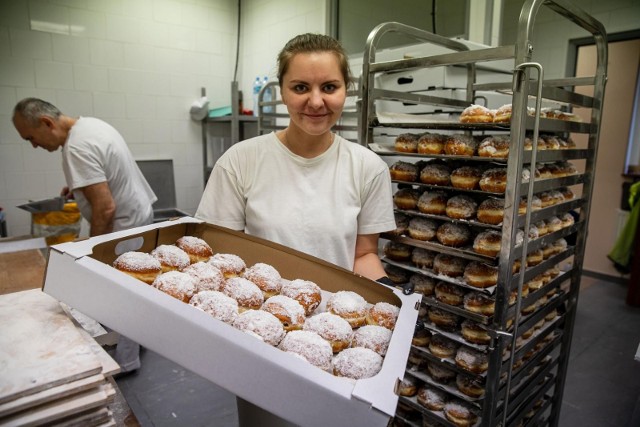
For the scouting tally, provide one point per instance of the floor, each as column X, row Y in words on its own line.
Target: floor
column 602, row 387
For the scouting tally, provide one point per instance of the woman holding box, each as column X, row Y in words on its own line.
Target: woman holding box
column 306, row 187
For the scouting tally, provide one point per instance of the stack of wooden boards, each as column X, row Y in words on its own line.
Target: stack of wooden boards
column 52, row 372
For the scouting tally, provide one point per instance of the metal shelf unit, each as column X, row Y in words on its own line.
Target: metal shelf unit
column 524, row 382
column 220, row 133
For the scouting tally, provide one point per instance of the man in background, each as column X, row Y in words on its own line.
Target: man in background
column 100, row 173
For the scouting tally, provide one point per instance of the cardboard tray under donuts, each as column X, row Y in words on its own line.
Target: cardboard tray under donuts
column 80, row 274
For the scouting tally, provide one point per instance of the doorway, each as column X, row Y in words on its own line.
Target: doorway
column 607, row 217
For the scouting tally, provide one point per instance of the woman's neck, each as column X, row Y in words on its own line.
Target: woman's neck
column 303, row 144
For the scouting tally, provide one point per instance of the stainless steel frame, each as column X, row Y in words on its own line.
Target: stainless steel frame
column 508, row 400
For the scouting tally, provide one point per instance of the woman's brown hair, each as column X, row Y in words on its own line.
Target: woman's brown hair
column 307, row 43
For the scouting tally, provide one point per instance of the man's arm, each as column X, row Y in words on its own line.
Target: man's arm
column 367, row 262
column 103, row 208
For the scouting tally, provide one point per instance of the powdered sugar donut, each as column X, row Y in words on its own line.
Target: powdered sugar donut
column 567, row 220
column 466, row 177
column 496, row 147
column 453, row 234
column 480, row 275
column 266, row 277
column 472, row 360
column 449, row 265
column 494, row 180
column 310, row 346
column 404, row 171
column 332, row 328
column 491, row 211
column 439, row 373
column 197, row 249
column 216, row 304
column 431, row 397
column 442, row 347
column 460, row 145
column 422, row 258
column 373, row 337
column 171, row 257
column 206, row 276
column 231, row 265
column 432, row 202
column 488, row 242
column 357, row 363
column 140, row 265
column 247, row 293
column 470, row 386
column 448, row 293
column 307, row 293
column 503, row 114
column 476, row 114
column 422, row 228
column 536, row 204
column 350, row 306
column 177, row 284
column 431, row 143
column 406, row 198
column 289, row 311
column 461, row 207
column 406, row 143
column 262, row 325
column 460, row 413
column 383, row 314
column 435, row 174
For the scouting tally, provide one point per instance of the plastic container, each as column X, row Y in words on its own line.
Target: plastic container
column 267, row 97
column 257, row 85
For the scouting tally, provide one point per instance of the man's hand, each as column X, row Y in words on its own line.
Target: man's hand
column 103, row 208
column 68, row 195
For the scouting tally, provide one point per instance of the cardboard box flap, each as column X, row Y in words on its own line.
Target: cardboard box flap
column 85, row 247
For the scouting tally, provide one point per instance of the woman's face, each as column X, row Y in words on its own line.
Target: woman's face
column 314, row 91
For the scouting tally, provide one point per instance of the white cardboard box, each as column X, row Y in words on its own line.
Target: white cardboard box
column 80, row 274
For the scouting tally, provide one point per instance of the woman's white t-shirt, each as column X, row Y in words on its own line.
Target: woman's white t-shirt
column 317, row 206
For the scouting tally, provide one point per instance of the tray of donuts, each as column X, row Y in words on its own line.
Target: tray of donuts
column 482, row 147
column 426, row 389
column 466, row 386
column 480, row 114
column 446, row 303
column 426, row 402
column 405, row 256
column 475, row 208
column 431, row 382
column 197, row 293
column 459, row 225
column 460, row 176
column 464, row 331
column 464, row 314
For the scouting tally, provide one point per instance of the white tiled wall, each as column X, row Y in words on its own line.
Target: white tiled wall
column 266, row 27
column 138, row 64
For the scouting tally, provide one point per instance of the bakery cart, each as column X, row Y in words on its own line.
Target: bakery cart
column 552, row 136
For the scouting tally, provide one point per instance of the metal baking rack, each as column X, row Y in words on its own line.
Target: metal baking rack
column 510, row 396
